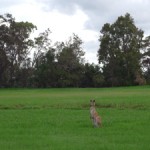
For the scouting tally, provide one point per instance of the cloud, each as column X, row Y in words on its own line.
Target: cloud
column 83, row 17
column 100, row 12
column 9, row 3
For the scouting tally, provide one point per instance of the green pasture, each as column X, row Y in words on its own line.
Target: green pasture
column 58, row 119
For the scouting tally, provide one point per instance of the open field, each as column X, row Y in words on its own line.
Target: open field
column 58, row 119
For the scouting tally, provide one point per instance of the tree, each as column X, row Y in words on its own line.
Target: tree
column 92, row 76
column 42, row 44
column 70, row 62
column 44, row 61
column 146, row 59
column 15, row 44
column 119, row 52
column 45, row 75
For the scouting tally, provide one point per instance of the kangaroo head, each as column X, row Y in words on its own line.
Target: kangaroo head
column 92, row 102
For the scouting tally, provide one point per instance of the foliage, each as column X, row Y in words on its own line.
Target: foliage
column 44, row 61
column 92, row 76
column 70, row 62
column 124, row 57
column 14, row 46
column 120, row 51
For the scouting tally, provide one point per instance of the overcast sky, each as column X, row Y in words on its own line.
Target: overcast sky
column 82, row 17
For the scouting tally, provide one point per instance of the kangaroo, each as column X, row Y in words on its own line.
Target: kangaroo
column 96, row 119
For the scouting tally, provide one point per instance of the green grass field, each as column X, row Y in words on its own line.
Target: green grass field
column 58, row 119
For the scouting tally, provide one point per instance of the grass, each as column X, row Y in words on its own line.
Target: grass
column 53, row 119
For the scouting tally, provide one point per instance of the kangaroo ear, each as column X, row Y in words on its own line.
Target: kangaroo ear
column 94, row 100
column 90, row 100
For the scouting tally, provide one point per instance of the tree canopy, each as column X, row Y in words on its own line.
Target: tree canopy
column 123, row 55
column 121, row 52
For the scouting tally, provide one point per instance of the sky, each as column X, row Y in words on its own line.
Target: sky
column 82, row 17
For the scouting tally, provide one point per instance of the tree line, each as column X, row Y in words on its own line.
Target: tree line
column 123, row 55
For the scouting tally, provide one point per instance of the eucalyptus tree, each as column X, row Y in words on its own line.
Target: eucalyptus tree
column 15, row 44
column 70, row 58
column 120, row 51
column 146, row 59
column 44, row 63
